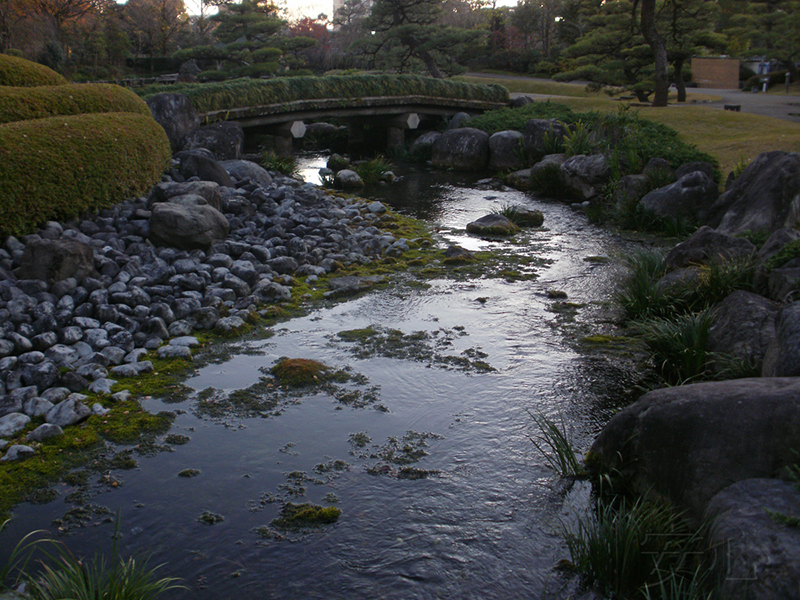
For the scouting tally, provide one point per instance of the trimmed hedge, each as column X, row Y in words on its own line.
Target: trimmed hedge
column 241, row 93
column 22, row 104
column 57, row 168
column 24, row 73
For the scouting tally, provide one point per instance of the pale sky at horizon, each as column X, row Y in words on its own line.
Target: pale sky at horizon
column 312, row 8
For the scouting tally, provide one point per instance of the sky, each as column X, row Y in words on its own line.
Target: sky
column 311, row 8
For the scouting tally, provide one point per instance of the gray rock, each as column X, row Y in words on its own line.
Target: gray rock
column 207, row 169
column 464, row 149
column 43, row 432
column 55, row 260
column 224, row 139
column 18, row 452
column 187, row 227
column 424, row 143
column 270, row 292
column 376, row 208
column 206, row 189
column 68, row 412
column 765, row 197
column 585, row 175
column 229, row 324
column 11, row 424
column 755, row 557
column 99, row 409
column 175, row 113
column 783, row 353
column 506, row 150
column 693, row 167
column 492, row 224
column 689, row 442
column 543, row 136
column 37, row 407
column 102, row 386
column 245, row 169
column 689, row 198
column 708, row 246
column 458, row 121
column 189, row 341
column 174, row 352
column 121, row 396
column 133, row 369
column 347, row 179
column 744, row 326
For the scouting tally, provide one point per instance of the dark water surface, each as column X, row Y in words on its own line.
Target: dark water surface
column 483, row 524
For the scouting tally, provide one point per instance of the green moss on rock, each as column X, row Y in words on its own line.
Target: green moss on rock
column 299, row 516
column 23, row 104
column 24, row 73
column 57, row 168
column 299, row 372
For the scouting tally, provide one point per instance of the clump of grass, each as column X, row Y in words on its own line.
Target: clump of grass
column 299, row 372
column 639, row 294
column 679, row 345
column 555, row 445
column 15, row 565
column 788, row 252
column 520, row 216
column 578, row 140
column 548, row 182
column 721, row 278
column 626, row 549
column 371, row 171
column 282, row 164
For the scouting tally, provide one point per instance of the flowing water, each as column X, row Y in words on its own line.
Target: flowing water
column 442, row 492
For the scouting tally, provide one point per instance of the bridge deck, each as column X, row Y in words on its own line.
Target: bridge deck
column 299, row 110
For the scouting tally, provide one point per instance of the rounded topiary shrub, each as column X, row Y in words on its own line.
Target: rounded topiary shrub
column 24, row 73
column 59, row 167
column 24, row 103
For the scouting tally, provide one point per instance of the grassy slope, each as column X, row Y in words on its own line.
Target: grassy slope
column 730, row 136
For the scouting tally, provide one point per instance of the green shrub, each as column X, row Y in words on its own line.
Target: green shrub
column 59, row 167
column 241, row 93
column 504, row 119
column 19, row 72
column 548, row 181
column 271, row 161
column 371, row 171
column 22, row 104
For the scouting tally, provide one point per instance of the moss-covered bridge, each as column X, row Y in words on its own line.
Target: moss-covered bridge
column 282, row 105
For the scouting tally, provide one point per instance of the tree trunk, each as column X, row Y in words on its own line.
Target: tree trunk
column 659, row 48
column 679, row 82
column 430, row 64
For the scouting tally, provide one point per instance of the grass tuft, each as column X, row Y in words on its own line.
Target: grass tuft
column 555, row 446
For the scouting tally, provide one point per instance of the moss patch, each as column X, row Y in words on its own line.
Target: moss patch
column 299, row 372
column 303, row 516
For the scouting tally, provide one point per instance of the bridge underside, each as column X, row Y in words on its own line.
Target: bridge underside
column 397, row 113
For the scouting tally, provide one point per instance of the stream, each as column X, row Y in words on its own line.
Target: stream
column 426, row 450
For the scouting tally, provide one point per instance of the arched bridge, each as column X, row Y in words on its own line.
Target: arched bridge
column 281, row 106
column 287, row 120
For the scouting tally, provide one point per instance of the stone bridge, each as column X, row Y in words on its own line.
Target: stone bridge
column 286, row 120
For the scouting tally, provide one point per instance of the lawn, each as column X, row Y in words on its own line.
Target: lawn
column 729, row 136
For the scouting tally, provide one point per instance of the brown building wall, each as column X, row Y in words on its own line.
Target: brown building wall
column 720, row 73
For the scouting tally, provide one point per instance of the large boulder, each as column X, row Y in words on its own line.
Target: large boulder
column 689, row 442
column 765, row 197
column 225, row 139
column 207, row 189
column 56, row 260
column 744, row 326
column 187, row 227
column 782, row 357
column 706, row 246
column 206, row 169
column 68, row 412
column 585, row 175
column 493, row 224
column 755, row 555
column 423, row 145
column 175, row 113
column 464, row 149
column 543, row 136
column 347, row 179
column 246, row 169
column 689, row 198
column 506, row 150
